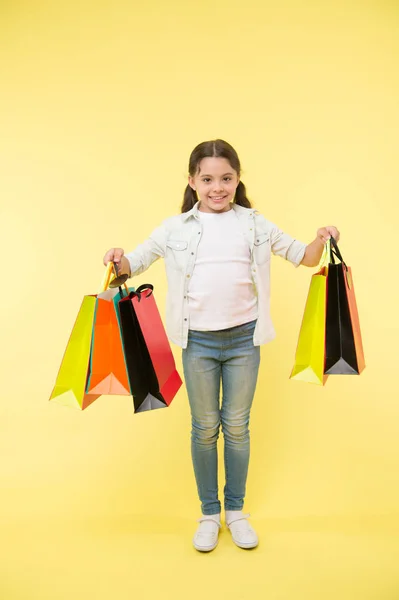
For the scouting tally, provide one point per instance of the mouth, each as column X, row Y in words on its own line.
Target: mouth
column 217, row 198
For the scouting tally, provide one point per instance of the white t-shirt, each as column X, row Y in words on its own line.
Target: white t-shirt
column 221, row 292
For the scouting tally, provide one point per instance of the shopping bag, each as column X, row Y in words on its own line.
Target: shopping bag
column 309, row 356
column 344, row 349
column 107, row 372
column 153, row 378
column 157, row 341
column 70, row 385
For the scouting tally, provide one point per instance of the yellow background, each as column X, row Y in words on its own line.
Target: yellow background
column 101, row 104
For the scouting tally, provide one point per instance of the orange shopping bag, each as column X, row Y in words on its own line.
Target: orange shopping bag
column 108, row 374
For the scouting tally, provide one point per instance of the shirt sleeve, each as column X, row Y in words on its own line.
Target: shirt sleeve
column 142, row 257
column 286, row 246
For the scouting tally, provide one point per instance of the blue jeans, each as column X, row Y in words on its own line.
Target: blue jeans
column 228, row 357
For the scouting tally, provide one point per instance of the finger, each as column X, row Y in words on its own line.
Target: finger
column 325, row 235
column 109, row 257
column 118, row 253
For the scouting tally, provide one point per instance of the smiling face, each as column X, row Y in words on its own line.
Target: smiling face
column 215, row 183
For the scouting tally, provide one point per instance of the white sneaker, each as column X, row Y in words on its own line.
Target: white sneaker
column 243, row 534
column 207, row 534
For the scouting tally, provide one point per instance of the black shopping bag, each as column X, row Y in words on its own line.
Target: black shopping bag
column 344, row 351
column 143, row 381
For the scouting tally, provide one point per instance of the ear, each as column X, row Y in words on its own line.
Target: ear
column 191, row 182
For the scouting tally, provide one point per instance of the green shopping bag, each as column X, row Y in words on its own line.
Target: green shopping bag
column 310, row 352
column 70, row 384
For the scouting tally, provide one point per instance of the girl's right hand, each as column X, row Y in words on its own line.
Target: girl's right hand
column 114, row 255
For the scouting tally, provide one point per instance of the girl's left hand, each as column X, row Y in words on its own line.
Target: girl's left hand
column 324, row 234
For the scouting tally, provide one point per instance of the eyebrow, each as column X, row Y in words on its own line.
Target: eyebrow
column 205, row 175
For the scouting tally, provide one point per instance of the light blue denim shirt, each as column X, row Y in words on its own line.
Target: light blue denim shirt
column 177, row 239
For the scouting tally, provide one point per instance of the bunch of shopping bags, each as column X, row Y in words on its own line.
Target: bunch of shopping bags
column 119, row 346
column 330, row 341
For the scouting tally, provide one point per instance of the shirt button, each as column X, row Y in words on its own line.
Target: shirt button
column 188, row 276
column 192, row 253
column 185, row 297
column 199, row 233
column 185, row 319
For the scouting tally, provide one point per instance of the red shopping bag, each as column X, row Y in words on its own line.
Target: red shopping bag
column 157, row 342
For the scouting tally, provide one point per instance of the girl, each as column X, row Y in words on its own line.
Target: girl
column 217, row 259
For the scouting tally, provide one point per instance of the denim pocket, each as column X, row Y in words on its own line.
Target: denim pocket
column 262, row 248
column 177, row 253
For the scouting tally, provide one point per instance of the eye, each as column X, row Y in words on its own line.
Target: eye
column 228, row 178
column 206, row 179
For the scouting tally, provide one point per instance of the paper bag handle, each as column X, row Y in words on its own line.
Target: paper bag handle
column 325, row 257
column 107, row 277
column 336, row 251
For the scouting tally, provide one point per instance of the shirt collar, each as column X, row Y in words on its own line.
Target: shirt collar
column 236, row 207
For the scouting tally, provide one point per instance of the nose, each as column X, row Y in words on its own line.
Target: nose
column 218, row 187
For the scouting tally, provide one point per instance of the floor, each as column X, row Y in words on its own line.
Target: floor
column 139, row 556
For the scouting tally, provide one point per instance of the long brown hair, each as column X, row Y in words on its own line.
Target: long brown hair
column 219, row 149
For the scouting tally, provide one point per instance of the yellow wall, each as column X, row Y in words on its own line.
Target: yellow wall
column 100, row 105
